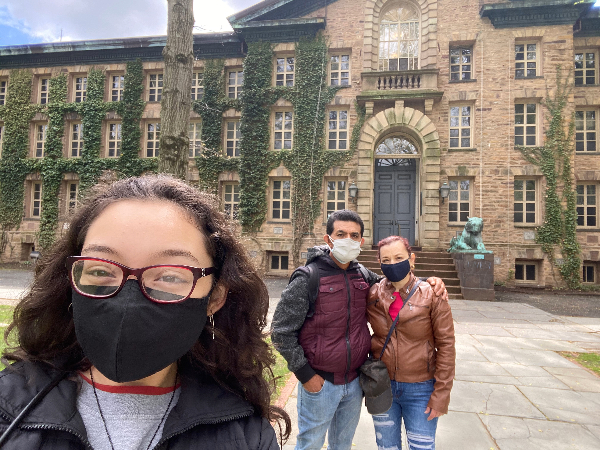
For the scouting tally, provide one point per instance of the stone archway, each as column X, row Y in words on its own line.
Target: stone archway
column 421, row 128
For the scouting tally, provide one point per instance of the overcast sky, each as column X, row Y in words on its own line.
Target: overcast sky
column 34, row 21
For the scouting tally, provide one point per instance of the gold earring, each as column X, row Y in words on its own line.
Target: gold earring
column 412, row 267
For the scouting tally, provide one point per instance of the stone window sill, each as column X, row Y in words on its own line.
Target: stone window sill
column 587, row 153
column 284, row 222
column 528, row 225
column 588, row 229
column 473, row 80
column 456, row 149
column 529, row 78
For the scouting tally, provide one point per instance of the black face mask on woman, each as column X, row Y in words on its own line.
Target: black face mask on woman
column 396, row 272
column 129, row 337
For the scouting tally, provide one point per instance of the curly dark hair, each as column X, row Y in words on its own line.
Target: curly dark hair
column 238, row 358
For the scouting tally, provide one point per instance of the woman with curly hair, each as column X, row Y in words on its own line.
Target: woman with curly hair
column 142, row 329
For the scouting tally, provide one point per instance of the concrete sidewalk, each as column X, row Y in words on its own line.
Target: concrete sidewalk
column 512, row 391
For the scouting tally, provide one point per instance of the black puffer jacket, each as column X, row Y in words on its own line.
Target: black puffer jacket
column 206, row 417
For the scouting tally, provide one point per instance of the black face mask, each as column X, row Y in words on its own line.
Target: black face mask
column 128, row 337
column 396, row 272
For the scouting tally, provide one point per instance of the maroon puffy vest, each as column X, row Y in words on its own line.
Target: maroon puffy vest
column 336, row 338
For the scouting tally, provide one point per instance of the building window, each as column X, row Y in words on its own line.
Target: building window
column 589, row 272
column 44, row 90
column 41, row 129
column 281, row 199
column 284, row 130
column 336, row 196
column 339, row 70
column 155, row 87
column 586, row 205
column 338, row 130
column 524, row 201
column 114, row 140
column 76, row 139
column 232, row 138
column 279, row 261
column 460, row 63
column 3, row 89
column 80, row 89
column 399, row 39
column 585, row 68
column 117, row 84
column 526, row 124
column 36, row 199
column 231, row 200
column 285, row 71
column 526, row 60
column 197, row 86
column 152, row 139
column 459, row 201
column 585, row 131
column 195, row 135
column 72, row 191
column 235, row 82
column 460, row 127
column 526, row 271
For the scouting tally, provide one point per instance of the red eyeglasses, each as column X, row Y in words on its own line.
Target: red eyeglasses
column 102, row 278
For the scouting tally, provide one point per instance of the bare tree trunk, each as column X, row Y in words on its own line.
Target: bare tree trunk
column 176, row 97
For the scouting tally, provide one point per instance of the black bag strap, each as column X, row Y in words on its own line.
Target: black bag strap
column 412, row 291
column 32, row 404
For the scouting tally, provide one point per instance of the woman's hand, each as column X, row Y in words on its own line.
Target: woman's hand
column 432, row 413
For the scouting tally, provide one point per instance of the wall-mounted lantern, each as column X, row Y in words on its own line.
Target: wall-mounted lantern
column 353, row 192
column 444, row 191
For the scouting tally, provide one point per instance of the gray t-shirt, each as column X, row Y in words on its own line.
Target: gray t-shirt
column 131, row 418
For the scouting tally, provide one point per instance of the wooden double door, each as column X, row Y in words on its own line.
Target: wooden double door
column 395, row 199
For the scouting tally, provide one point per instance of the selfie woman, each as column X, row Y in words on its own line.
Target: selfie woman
column 420, row 353
column 142, row 329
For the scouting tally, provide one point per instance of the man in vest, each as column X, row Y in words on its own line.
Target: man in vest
column 326, row 340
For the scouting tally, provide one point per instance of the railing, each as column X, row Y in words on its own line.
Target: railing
column 401, row 80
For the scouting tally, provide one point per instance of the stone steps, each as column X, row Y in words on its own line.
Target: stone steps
column 428, row 263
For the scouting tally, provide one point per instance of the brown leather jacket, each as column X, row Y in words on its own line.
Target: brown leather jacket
column 422, row 345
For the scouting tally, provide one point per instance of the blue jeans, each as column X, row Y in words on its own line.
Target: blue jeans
column 410, row 402
column 335, row 408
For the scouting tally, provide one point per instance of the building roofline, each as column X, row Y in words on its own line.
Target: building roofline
column 111, row 44
column 255, row 10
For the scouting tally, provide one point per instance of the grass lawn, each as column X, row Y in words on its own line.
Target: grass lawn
column 281, row 372
column 589, row 360
column 5, row 317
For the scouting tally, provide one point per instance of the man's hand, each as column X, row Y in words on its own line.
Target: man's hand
column 438, row 287
column 315, row 384
column 433, row 414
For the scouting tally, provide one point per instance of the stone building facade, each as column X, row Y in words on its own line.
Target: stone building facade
column 450, row 89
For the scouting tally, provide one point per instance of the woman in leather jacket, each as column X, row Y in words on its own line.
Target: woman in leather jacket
column 420, row 355
column 142, row 329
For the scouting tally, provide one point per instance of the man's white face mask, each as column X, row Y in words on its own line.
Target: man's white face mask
column 345, row 250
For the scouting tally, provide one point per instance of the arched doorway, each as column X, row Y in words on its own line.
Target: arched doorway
column 396, row 188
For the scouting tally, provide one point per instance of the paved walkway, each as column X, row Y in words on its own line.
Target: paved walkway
column 512, row 391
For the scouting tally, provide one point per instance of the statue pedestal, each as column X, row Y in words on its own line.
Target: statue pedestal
column 476, row 274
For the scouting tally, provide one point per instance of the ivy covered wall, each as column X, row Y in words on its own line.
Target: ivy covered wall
column 307, row 161
column 16, row 164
